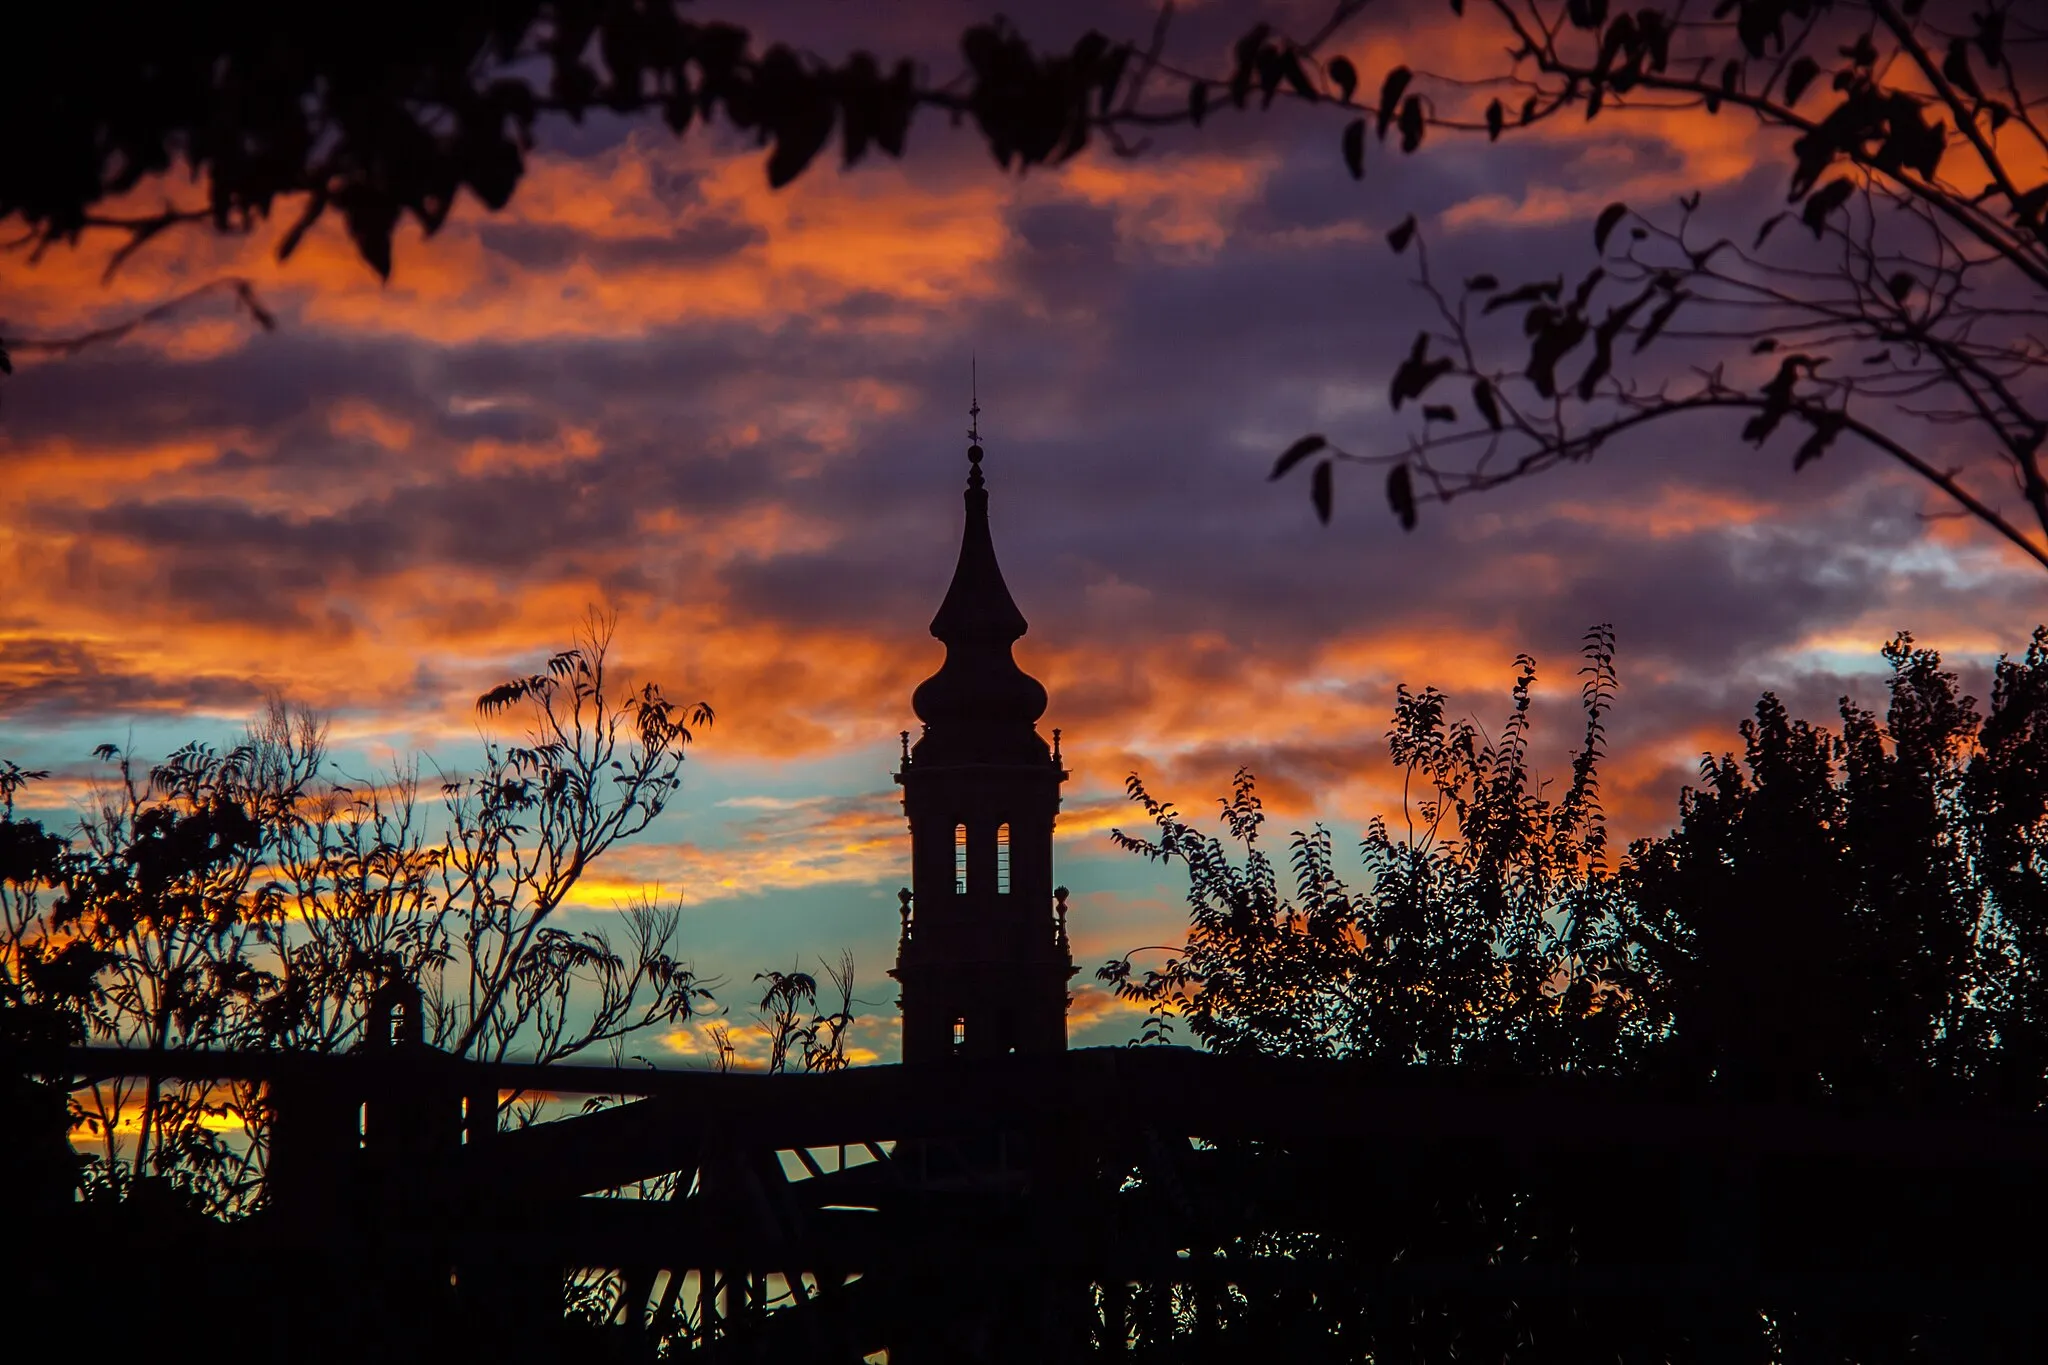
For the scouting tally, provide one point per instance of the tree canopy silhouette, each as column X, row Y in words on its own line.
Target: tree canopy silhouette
column 1855, row 913
column 248, row 899
column 1844, row 921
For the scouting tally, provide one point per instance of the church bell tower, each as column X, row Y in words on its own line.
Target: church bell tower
column 983, row 959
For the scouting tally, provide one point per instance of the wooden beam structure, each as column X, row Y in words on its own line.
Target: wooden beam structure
column 1042, row 1202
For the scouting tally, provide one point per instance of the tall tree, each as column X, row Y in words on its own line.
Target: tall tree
column 246, row 899
column 1847, row 913
column 1843, row 918
column 1484, row 936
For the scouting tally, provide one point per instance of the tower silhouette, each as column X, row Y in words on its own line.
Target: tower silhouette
column 983, row 958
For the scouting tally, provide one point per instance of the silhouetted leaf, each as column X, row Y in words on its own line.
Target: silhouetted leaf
column 1991, row 34
column 1826, row 427
column 2027, row 207
column 1956, row 67
column 1660, row 318
column 1296, row 453
column 1402, row 233
column 1825, row 201
column 1731, row 82
column 1198, row 102
column 1900, row 286
column 1587, row 286
column 1527, row 293
column 1764, row 346
column 1655, row 29
column 802, row 135
column 1480, row 284
column 1319, row 491
column 1344, row 76
column 1778, row 394
column 1268, row 67
column 1769, row 226
column 1390, row 95
column 371, row 215
column 1401, row 495
column 1798, row 77
column 1297, row 78
column 1418, row 372
column 1604, row 226
column 1596, row 369
column 1439, row 412
column 1354, row 148
column 506, row 693
column 1604, row 335
column 1495, row 118
column 1411, row 123
column 1483, row 399
column 1248, row 50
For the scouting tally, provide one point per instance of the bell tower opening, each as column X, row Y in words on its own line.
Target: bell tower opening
column 981, row 791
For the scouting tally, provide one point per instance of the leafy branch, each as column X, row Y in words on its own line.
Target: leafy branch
column 1904, row 318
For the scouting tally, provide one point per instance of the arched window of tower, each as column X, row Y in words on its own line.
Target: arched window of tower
column 960, row 860
column 1003, row 859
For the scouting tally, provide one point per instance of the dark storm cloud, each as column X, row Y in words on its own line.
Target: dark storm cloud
column 219, row 554
column 123, row 394
column 43, row 678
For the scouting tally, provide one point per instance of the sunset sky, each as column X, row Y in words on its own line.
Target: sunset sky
column 737, row 418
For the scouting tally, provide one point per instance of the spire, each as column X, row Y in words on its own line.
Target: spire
column 978, row 605
column 980, row 705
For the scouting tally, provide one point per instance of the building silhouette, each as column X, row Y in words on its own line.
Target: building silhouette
column 983, row 958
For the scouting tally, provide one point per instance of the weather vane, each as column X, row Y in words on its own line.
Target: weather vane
column 974, row 398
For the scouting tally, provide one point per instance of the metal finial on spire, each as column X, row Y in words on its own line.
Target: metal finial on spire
column 973, row 422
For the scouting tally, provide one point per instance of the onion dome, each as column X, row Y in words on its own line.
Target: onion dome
column 980, row 707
